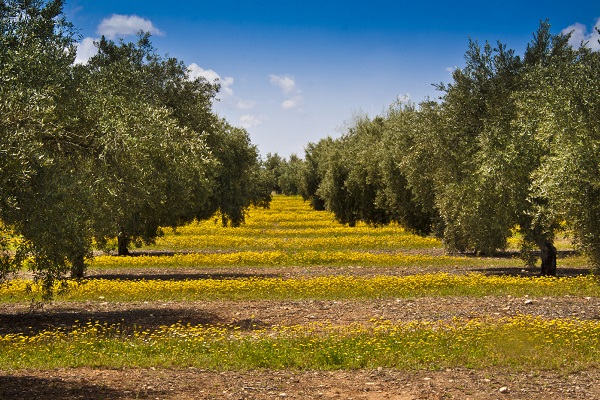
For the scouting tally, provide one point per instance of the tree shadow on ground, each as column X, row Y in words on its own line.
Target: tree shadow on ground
column 151, row 276
column 29, row 387
column 516, row 254
column 32, row 323
column 528, row 271
column 161, row 253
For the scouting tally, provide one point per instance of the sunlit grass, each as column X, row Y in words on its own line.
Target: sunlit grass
column 276, row 257
column 323, row 287
column 289, row 225
column 313, row 258
column 289, row 235
column 518, row 343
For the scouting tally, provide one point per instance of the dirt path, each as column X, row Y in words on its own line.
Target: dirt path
column 188, row 383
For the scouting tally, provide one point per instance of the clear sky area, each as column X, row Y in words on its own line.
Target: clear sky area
column 295, row 71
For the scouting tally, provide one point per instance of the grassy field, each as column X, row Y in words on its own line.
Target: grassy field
column 290, row 257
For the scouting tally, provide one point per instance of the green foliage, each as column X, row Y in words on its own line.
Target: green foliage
column 283, row 175
column 41, row 198
column 118, row 147
column 313, row 170
column 567, row 108
column 511, row 143
column 273, row 166
column 365, row 178
column 479, row 190
column 289, row 181
column 350, row 185
column 152, row 168
column 406, row 168
column 240, row 181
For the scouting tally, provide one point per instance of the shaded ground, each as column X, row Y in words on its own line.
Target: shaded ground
column 311, row 271
column 16, row 318
column 374, row 385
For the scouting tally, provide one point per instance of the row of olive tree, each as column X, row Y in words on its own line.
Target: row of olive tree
column 512, row 142
column 115, row 148
column 283, row 174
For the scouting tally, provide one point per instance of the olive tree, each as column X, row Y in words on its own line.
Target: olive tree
column 490, row 150
column 165, row 158
column 474, row 170
column 406, row 167
column 351, row 183
column 289, row 178
column 563, row 110
column 151, row 168
column 313, row 170
column 42, row 198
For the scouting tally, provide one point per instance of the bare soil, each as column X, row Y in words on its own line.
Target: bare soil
column 85, row 383
column 190, row 383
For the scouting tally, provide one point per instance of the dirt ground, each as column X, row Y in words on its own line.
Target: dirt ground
column 190, row 383
column 373, row 385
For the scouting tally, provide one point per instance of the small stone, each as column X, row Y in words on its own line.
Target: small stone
column 528, row 301
column 504, row 389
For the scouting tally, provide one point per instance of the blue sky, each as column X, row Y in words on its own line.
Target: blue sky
column 293, row 72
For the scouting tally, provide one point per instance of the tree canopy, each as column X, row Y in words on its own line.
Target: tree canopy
column 115, row 148
column 128, row 143
column 510, row 144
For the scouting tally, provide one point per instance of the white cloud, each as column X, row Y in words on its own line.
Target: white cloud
column 579, row 34
column 126, row 25
column 196, row 72
column 285, row 83
column 289, row 88
column 226, row 86
column 248, row 120
column 245, row 104
column 85, row 50
column 291, row 103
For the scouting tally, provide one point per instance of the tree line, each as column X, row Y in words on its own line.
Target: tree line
column 115, row 148
column 513, row 143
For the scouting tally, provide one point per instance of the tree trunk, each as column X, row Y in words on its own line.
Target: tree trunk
column 122, row 244
column 548, row 252
column 77, row 266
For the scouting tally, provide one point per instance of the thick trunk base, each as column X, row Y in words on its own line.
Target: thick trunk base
column 123, row 245
column 78, row 266
column 548, row 255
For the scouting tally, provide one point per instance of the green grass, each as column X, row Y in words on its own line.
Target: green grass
column 290, row 235
column 323, row 287
column 521, row 343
